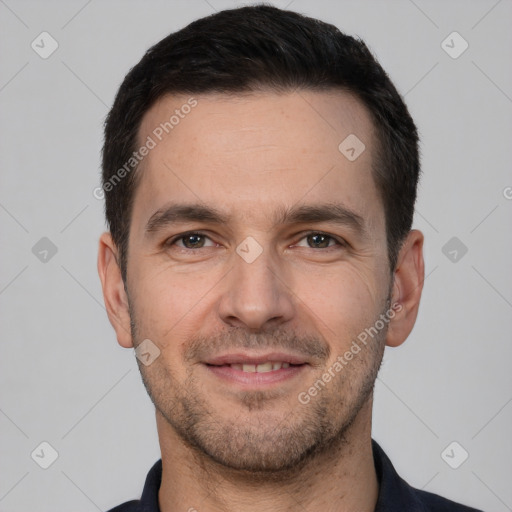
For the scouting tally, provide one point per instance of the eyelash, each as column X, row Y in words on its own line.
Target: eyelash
column 171, row 242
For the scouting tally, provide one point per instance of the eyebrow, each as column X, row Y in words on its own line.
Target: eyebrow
column 303, row 214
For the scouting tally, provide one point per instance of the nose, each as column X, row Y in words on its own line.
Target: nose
column 256, row 294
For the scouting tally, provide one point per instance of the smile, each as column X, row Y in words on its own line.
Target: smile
column 253, row 376
column 268, row 366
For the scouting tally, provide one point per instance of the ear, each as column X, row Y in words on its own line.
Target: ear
column 407, row 287
column 114, row 293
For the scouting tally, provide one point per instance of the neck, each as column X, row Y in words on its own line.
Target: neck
column 339, row 479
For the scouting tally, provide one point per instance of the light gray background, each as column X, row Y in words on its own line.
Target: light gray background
column 64, row 379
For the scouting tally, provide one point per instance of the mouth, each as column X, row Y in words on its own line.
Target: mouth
column 267, row 366
column 256, row 371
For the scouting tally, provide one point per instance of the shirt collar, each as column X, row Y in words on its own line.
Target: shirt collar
column 149, row 499
column 394, row 492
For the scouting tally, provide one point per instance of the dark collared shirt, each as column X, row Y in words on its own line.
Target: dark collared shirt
column 395, row 495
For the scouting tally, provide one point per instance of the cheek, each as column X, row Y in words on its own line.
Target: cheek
column 165, row 300
column 342, row 302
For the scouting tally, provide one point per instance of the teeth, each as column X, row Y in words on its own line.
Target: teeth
column 260, row 368
column 264, row 367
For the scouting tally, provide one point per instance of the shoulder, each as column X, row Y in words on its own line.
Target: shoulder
column 395, row 494
column 430, row 502
column 149, row 499
column 129, row 506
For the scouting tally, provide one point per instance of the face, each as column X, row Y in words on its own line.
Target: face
column 257, row 256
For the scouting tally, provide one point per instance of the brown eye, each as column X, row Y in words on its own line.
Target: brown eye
column 193, row 241
column 190, row 241
column 319, row 240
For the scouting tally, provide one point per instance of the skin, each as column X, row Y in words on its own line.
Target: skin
column 233, row 448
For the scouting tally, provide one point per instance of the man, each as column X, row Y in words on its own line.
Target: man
column 260, row 174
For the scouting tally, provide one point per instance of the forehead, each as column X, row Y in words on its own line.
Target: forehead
column 260, row 150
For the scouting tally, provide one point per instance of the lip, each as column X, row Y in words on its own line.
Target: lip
column 246, row 358
column 254, row 380
column 218, row 366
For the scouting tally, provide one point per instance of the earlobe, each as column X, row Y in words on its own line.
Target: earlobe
column 407, row 287
column 114, row 293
